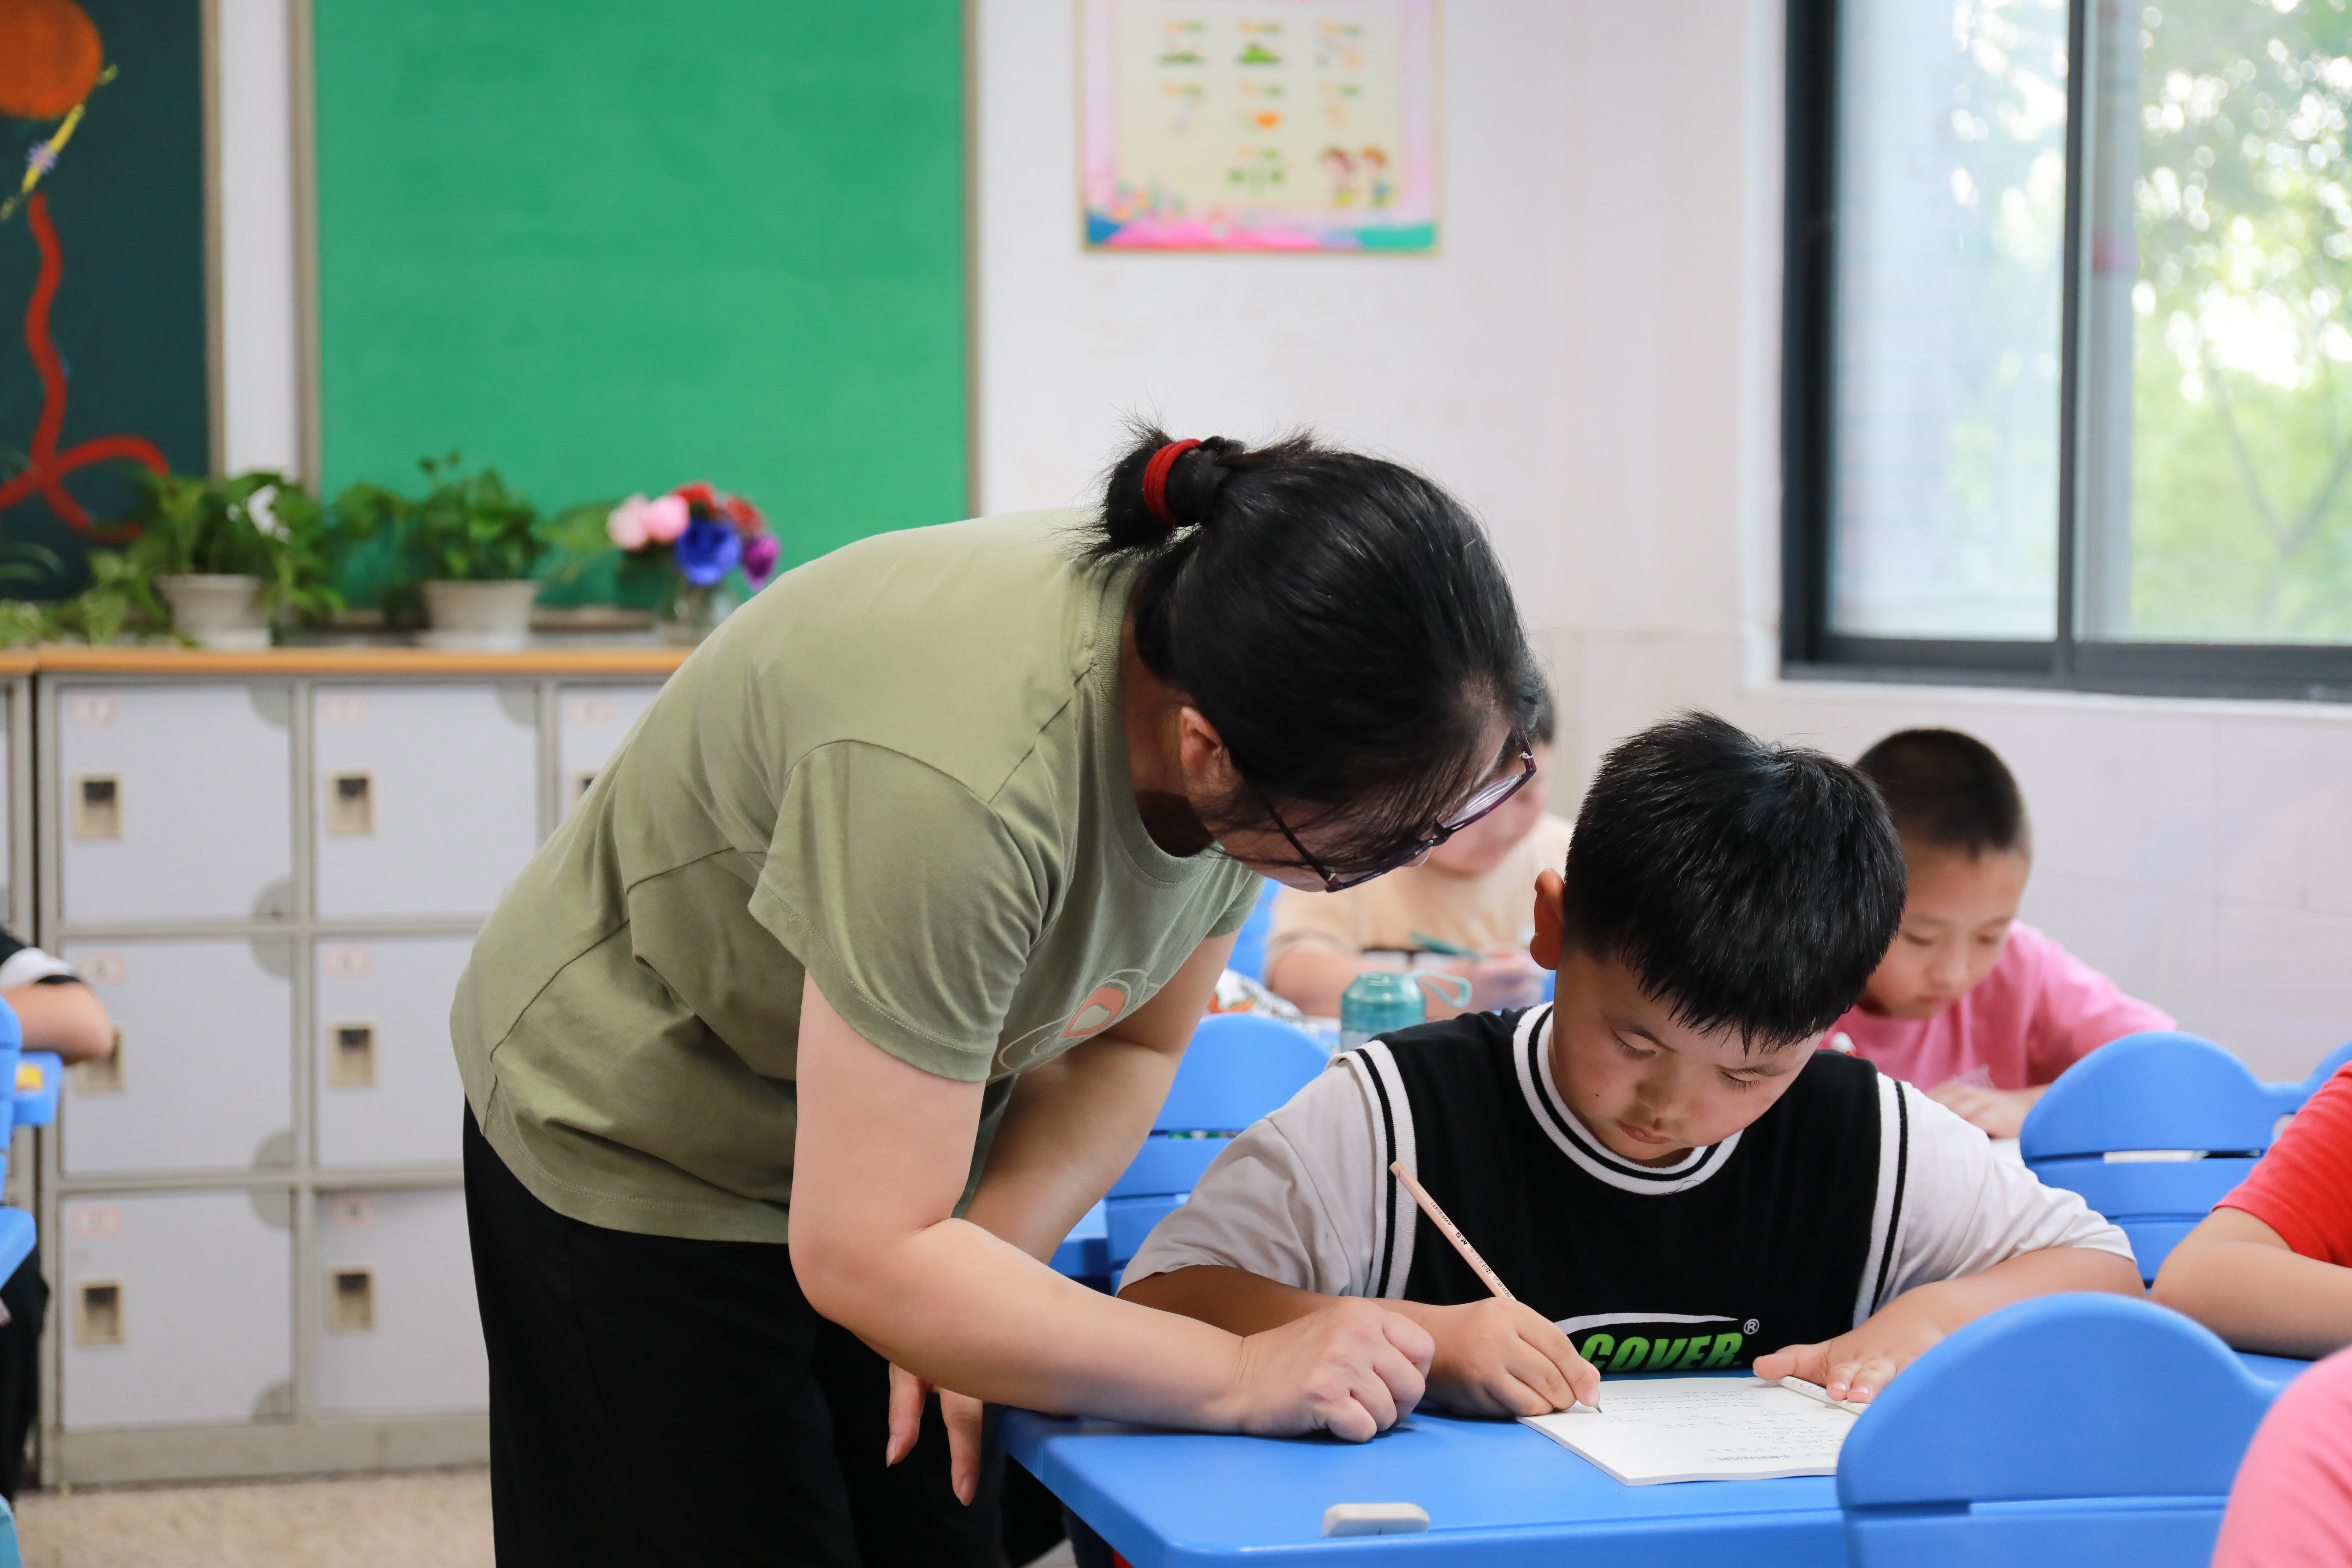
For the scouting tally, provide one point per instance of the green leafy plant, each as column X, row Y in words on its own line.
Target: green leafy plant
column 256, row 524
column 469, row 526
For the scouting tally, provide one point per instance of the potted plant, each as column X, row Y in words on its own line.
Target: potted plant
column 693, row 537
column 475, row 544
column 215, row 557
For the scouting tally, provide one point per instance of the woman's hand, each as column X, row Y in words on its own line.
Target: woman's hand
column 1350, row 1369
column 1504, row 1358
column 1501, row 981
column 960, row 1412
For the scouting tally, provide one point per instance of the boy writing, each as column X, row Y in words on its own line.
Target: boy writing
column 1659, row 1164
column 1981, row 1010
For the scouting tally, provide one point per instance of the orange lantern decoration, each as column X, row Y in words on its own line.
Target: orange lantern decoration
column 49, row 57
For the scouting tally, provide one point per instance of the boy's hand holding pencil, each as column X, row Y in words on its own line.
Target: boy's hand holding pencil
column 1497, row 1357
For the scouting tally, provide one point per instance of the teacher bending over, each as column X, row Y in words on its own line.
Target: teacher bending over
column 862, row 969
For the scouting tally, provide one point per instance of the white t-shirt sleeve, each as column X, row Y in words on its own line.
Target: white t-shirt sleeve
column 1291, row 1200
column 29, row 965
column 1966, row 1208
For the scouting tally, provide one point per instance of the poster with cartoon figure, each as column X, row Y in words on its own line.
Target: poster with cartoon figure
column 1259, row 124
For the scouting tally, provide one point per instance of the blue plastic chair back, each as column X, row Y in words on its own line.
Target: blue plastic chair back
column 18, row 1231
column 2181, row 1097
column 1239, row 1067
column 1249, row 943
column 2065, row 1430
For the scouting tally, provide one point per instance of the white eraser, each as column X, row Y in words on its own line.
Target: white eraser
column 1375, row 1518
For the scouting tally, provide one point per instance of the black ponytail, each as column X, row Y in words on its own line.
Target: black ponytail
column 1344, row 622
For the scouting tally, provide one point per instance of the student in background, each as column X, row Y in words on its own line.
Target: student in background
column 2292, row 1507
column 1970, row 1004
column 2270, row 1269
column 1471, row 892
column 1660, row 1165
column 58, row 1014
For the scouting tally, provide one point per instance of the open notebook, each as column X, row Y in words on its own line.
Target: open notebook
column 1654, row 1430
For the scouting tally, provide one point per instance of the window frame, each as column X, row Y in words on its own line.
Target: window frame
column 1809, row 648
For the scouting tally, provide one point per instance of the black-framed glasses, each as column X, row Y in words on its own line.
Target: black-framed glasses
column 1488, row 797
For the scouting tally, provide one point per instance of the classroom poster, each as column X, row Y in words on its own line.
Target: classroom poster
column 1259, row 124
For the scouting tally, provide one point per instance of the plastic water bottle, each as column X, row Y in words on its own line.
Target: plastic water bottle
column 1378, row 1001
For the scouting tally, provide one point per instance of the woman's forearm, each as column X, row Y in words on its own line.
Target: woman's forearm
column 1311, row 979
column 2237, row 1277
column 970, row 1311
column 1073, row 1126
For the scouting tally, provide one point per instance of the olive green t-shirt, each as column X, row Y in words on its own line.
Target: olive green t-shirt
column 900, row 769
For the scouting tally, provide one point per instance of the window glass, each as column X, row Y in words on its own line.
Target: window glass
column 1951, row 190
column 2237, row 525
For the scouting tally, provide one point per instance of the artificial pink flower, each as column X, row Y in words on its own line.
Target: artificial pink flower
column 699, row 493
column 667, row 517
column 626, row 525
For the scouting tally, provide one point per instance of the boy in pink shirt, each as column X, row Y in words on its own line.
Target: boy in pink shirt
column 1968, row 1003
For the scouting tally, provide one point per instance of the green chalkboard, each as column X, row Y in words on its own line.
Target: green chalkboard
column 607, row 247
column 123, row 211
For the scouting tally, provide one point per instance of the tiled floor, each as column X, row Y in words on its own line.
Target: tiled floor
column 434, row 1519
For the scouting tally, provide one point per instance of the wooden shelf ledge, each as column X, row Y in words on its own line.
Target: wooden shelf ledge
column 77, row 658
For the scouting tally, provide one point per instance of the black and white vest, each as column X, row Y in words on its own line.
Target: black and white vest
column 1782, row 1234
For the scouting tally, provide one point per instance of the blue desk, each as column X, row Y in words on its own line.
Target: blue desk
column 1497, row 1494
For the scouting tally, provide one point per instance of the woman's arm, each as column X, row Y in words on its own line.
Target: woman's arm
column 1311, row 978
column 68, row 1019
column 2239, row 1278
column 1489, row 1358
column 1075, row 1122
column 880, row 1158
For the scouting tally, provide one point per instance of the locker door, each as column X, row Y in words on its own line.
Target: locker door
column 176, row 1306
column 203, row 1077
column 427, row 797
column 388, row 1086
column 174, row 804
column 593, row 723
column 397, row 1282
column 7, row 799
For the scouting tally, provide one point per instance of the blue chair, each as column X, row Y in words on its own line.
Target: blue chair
column 1238, row 1066
column 1249, row 943
column 2155, row 1128
column 2066, row 1430
column 30, row 1081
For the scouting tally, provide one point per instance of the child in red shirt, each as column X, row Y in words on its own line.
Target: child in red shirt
column 1971, row 1004
column 2270, row 1269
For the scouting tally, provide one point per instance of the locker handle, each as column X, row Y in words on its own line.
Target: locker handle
column 97, row 806
column 97, row 1312
column 351, row 1300
column 351, row 1063
column 350, row 803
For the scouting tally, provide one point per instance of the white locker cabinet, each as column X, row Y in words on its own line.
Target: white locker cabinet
column 388, row 1087
column 175, row 1306
column 592, row 722
column 174, row 802
column 7, row 803
column 204, row 1075
column 427, row 797
column 399, row 1327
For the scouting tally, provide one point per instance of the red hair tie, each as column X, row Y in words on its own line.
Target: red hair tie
column 1155, row 480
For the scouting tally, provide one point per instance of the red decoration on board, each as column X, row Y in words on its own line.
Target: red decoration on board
column 48, row 467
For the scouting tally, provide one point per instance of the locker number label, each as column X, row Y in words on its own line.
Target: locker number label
column 100, row 968
column 352, row 1211
column 588, row 711
column 345, row 708
column 343, row 961
column 90, row 709
column 95, row 1222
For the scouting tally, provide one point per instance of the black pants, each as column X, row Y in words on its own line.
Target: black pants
column 660, row 1400
column 26, row 1297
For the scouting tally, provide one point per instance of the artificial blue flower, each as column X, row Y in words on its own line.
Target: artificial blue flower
column 707, row 551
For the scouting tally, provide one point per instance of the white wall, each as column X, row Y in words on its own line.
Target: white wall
column 1592, row 361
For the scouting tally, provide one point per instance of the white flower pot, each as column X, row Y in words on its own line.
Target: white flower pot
column 216, row 609
column 478, row 615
